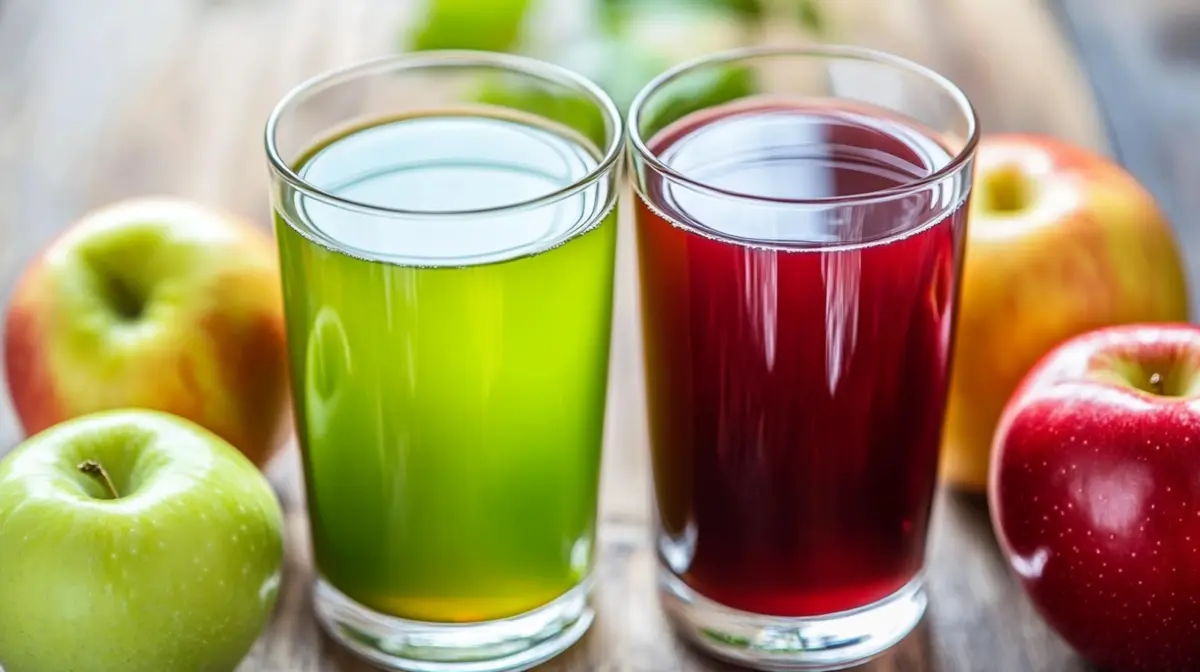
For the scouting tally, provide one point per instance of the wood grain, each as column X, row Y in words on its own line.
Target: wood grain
column 100, row 101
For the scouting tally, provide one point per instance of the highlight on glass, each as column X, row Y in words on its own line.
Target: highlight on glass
column 800, row 254
column 446, row 228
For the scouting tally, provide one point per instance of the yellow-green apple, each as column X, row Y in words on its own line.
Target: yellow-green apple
column 137, row 541
column 155, row 303
column 1061, row 241
column 1095, row 494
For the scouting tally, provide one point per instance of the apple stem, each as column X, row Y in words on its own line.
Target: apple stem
column 92, row 468
column 1156, row 383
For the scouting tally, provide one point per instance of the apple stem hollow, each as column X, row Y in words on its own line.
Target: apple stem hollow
column 125, row 298
column 95, row 470
column 1156, row 384
column 1006, row 189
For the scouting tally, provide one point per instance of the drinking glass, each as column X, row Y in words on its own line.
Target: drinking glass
column 446, row 234
column 800, row 251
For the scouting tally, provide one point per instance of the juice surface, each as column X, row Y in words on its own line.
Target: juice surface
column 797, row 355
column 450, row 373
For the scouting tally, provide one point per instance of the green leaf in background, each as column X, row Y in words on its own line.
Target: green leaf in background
column 811, row 16
column 567, row 108
column 749, row 8
column 621, row 69
column 616, row 12
column 675, row 32
column 696, row 91
column 486, row 25
column 619, row 66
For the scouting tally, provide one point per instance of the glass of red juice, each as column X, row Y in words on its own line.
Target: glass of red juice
column 800, row 250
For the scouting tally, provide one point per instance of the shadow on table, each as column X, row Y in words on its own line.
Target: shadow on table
column 339, row 659
column 962, row 637
column 912, row 654
column 971, row 516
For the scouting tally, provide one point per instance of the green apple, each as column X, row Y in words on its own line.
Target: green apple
column 137, row 541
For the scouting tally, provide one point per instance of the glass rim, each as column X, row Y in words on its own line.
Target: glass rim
column 447, row 58
column 830, row 52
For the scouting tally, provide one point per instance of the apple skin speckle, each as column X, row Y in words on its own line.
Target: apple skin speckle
column 1121, row 580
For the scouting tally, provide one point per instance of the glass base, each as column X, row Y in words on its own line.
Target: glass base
column 506, row 645
column 832, row 642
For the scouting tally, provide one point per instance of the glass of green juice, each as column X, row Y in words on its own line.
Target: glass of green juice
column 446, row 231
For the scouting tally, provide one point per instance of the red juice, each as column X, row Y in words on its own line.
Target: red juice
column 797, row 354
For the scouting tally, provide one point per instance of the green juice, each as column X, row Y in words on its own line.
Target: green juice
column 449, row 372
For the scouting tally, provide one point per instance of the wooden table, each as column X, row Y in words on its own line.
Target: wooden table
column 104, row 100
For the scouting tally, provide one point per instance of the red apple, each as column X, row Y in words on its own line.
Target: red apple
column 1061, row 241
column 154, row 303
column 1095, row 494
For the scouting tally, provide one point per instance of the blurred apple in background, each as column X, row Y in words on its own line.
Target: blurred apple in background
column 1095, row 494
column 153, row 303
column 1061, row 241
column 134, row 541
